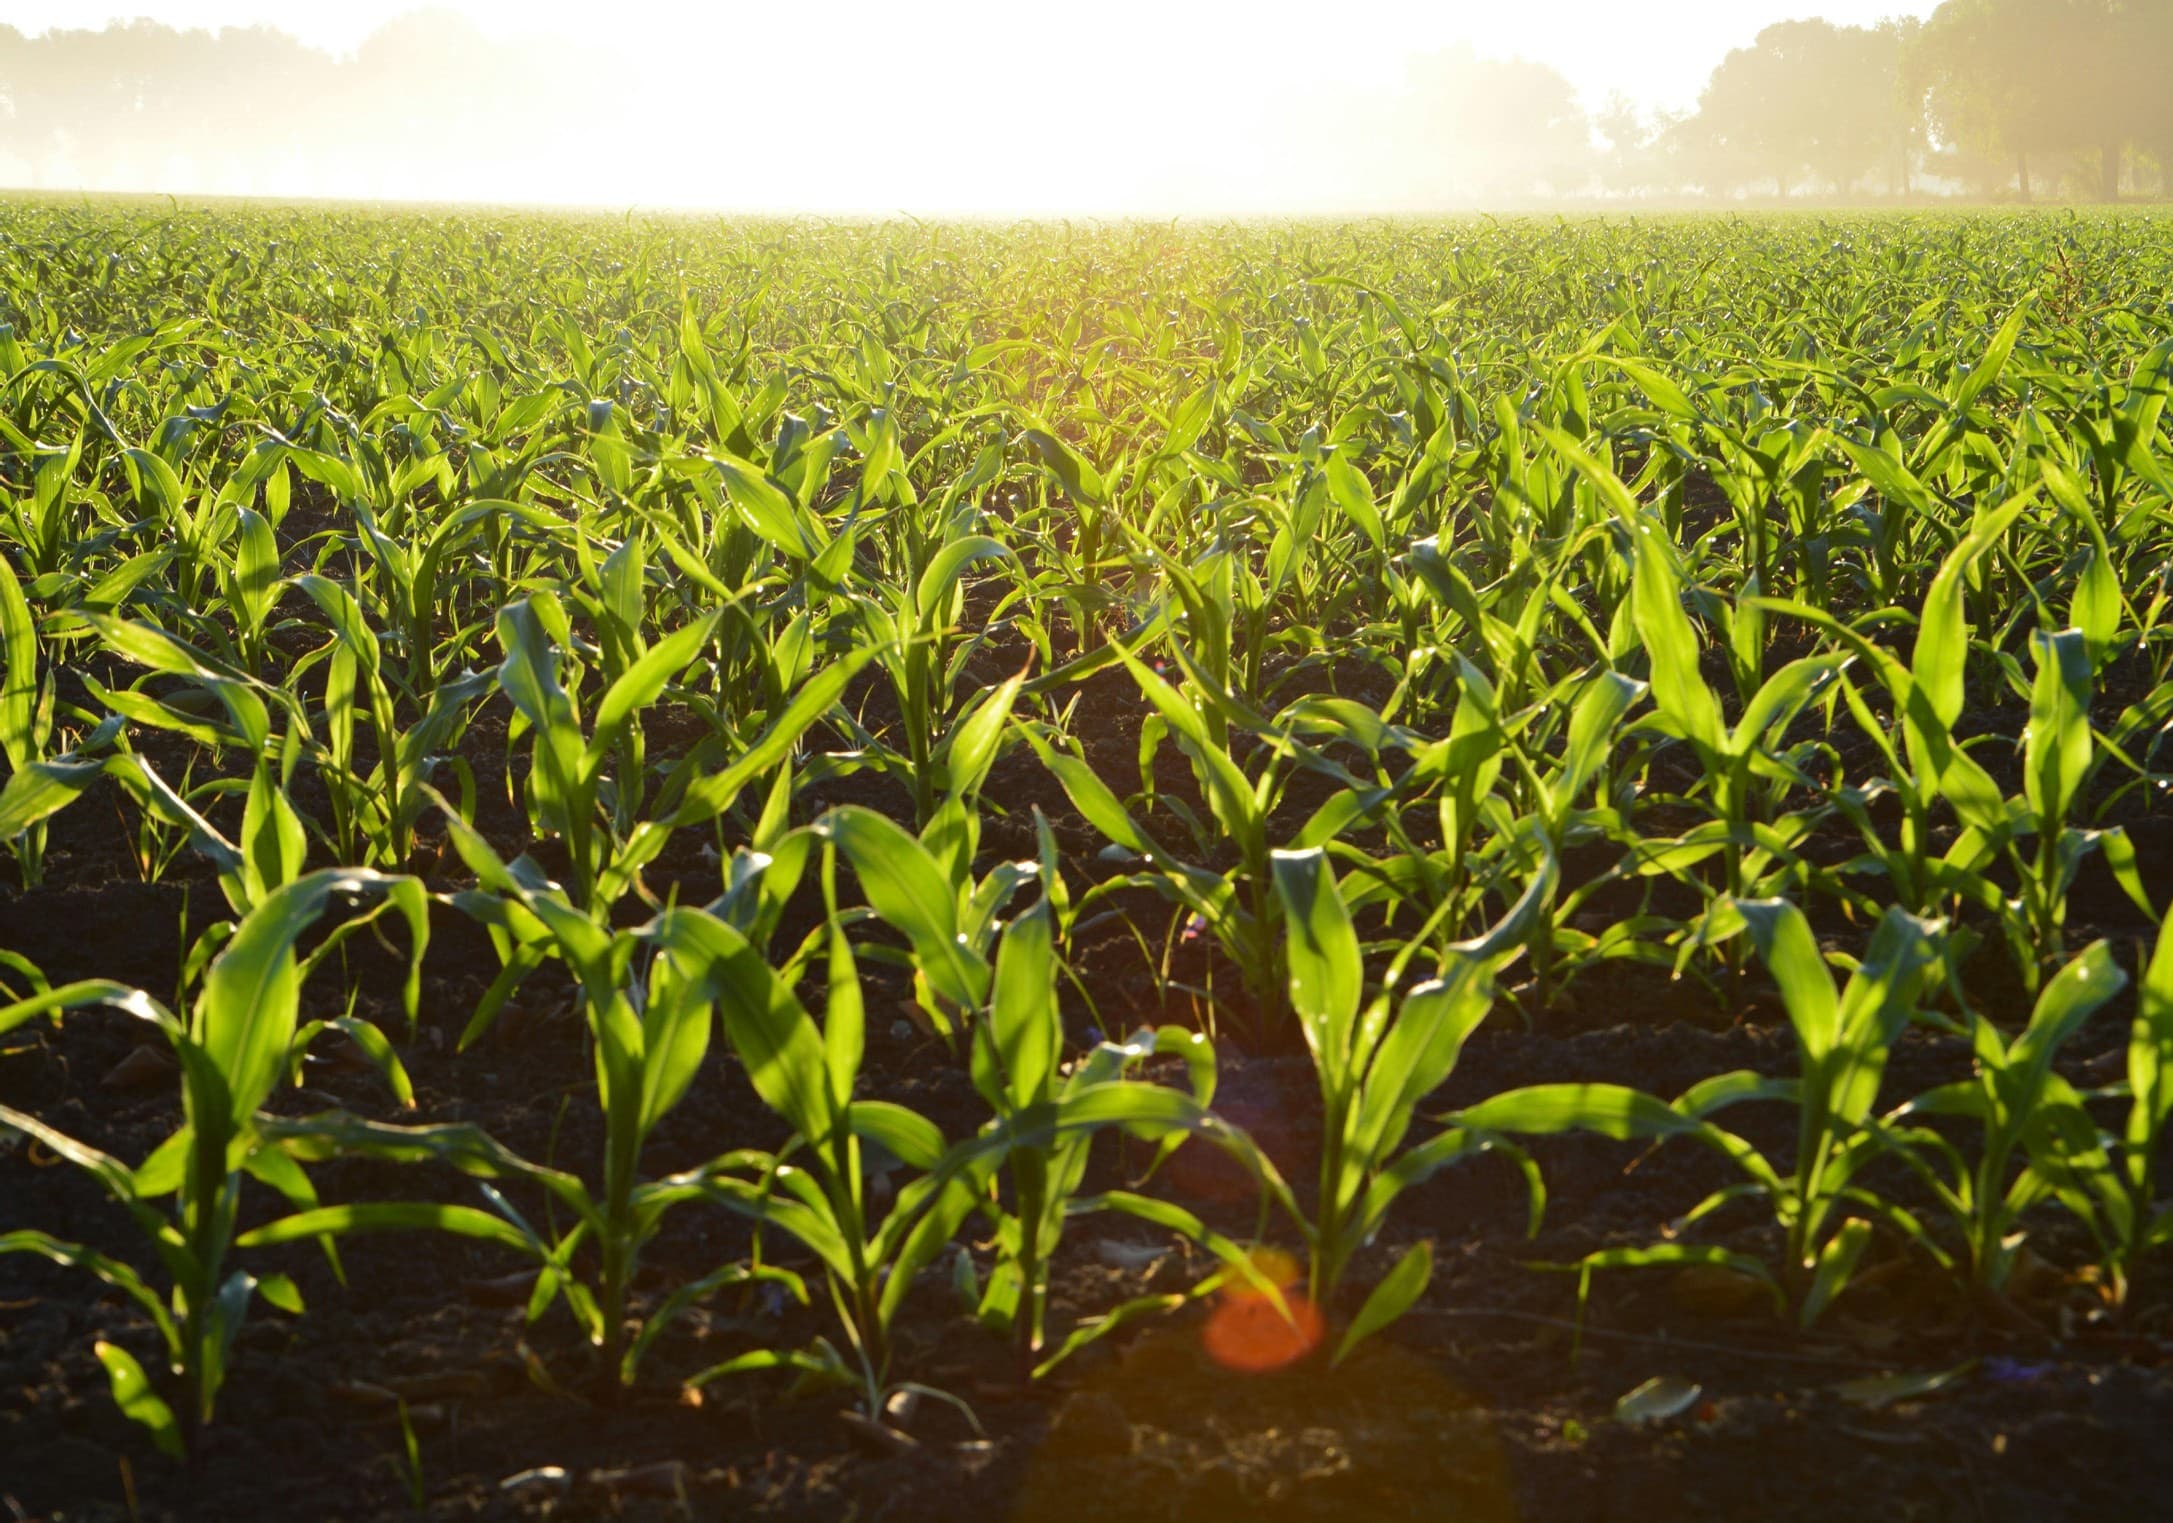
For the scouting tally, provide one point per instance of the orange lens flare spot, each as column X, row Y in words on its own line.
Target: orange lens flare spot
column 1249, row 1333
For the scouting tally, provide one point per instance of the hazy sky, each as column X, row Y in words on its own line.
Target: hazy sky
column 1658, row 52
column 1155, row 107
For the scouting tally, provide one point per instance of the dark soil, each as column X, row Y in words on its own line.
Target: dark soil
column 1480, row 1406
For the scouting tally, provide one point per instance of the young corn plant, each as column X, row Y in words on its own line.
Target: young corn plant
column 1732, row 758
column 1018, row 1048
column 1842, row 1041
column 923, row 886
column 375, row 808
column 240, row 1040
column 40, row 781
column 1558, row 822
column 2109, row 1176
column 1240, row 908
column 1376, row 1060
column 913, row 629
column 816, row 1188
column 1924, row 763
column 2020, row 1109
column 2060, row 756
column 647, row 998
column 570, row 793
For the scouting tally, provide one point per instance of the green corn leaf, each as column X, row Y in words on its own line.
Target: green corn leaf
column 1416, row 1054
column 2150, row 1059
column 1790, row 953
column 712, row 795
column 1398, row 1290
column 132, row 1393
column 844, row 1027
column 256, row 567
column 1837, row 1260
column 111, row 1271
column 1611, row 1110
column 37, row 790
column 772, row 513
column 1993, row 363
column 390, row 1216
column 246, row 1013
column 1016, row 1051
column 1080, row 481
column 1327, row 976
column 1942, row 643
column 675, row 1027
column 905, row 887
column 908, row 1136
column 1347, row 485
column 20, row 739
column 1665, row 630
column 932, row 595
column 773, row 1035
column 2057, row 743
column 644, row 681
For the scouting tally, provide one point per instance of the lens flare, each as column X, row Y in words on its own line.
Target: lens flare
column 1249, row 1333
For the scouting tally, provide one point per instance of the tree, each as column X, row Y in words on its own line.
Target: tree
column 1809, row 98
column 1625, row 166
column 2147, row 46
column 1494, row 128
column 2026, row 80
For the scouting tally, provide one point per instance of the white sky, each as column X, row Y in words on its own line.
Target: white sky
column 1658, row 52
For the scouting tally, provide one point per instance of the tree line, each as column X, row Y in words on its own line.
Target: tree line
column 2004, row 98
column 1999, row 97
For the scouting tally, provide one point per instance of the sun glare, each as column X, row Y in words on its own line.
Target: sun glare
column 953, row 107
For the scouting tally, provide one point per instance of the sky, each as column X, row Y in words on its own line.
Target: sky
column 931, row 107
column 1658, row 52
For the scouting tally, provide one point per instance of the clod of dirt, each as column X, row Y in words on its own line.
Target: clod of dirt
column 879, row 1439
column 1093, row 1422
column 144, row 1068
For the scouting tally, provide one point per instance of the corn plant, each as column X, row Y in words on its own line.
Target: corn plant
column 912, row 627
column 238, row 1043
column 40, row 781
column 816, row 1189
column 650, row 1023
column 2015, row 1101
column 1240, row 908
column 924, row 886
column 567, row 780
column 2060, row 756
column 2109, row 1176
column 1730, row 756
column 1842, row 1040
column 1017, row 1051
column 1376, row 1061
column 375, row 810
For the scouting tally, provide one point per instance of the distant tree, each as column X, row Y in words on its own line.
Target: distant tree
column 2149, row 45
column 418, row 107
column 1809, row 99
column 2029, row 81
column 1497, row 128
column 1625, row 164
column 117, row 104
column 1904, row 133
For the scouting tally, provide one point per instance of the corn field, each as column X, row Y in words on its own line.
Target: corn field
column 685, row 868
